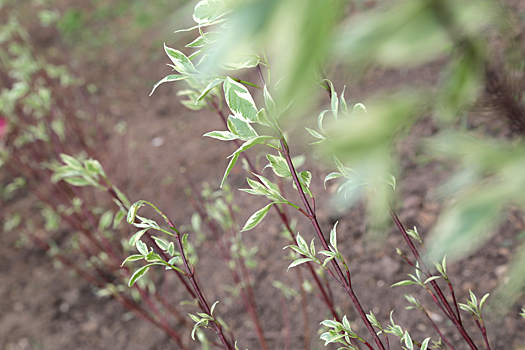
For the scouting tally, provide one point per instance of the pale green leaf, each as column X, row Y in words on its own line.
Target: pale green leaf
column 138, row 274
column 221, row 135
column 229, row 168
column 299, row 262
column 181, row 63
column 256, row 218
column 239, row 100
column 142, row 247
column 167, row 79
column 207, row 11
column 133, row 240
column 331, row 176
column 134, row 257
column 208, row 88
column 240, row 126
column 71, row 161
column 279, row 165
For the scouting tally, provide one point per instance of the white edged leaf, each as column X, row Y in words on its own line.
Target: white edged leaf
column 256, row 218
column 241, row 127
column 268, row 100
column 167, row 79
column 181, row 63
column 279, row 165
column 208, row 88
column 134, row 257
column 142, row 247
column 229, row 167
column 221, row 135
column 344, row 107
column 133, row 240
column 138, row 274
column 333, row 236
column 331, row 176
column 316, row 134
column 299, row 262
column 482, row 301
column 239, row 99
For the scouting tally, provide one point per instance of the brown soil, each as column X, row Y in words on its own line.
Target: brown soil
column 46, row 308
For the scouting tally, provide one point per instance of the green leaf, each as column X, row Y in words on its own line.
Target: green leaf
column 302, row 243
column 256, row 218
column 360, row 108
column 344, row 107
column 133, row 240
column 207, row 11
column 312, row 247
column 161, row 243
column 241, row 127
column 473, row 298
column 142, row 247
column 483, row 300
column 208, row 88
column 299, row 262
column 333, row 236
column 262, row 118
column 119, row 216
column 77, row 181
column 229, row 168
column 237, row 62
column 65, row 172
column 320, row 120
column 346, row 324
column 239, row 100
column 171, row 249
column 408, row 341
column 134, row 257
column 403, row 283
column 268, row 100
column 72, row 162
column 467, row 308
column 334, row 101
column 213, row 308
column 316, row 134
column 105, row 220
column 305, row 177
column 330, row 323
column 132, row 212
column 204, row 39
column 250, row 143
column 138, row 274
column 185, row 242
column 424, row 344
column 167, row 79
column 181, row 63
column 331, row 176
column 152, row 256
column 121, row 196
column 173, row 260
column 221, row 135
column 432, row 279
column 279, row 165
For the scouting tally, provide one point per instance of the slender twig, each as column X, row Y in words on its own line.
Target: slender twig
column 449, row 312
column 346, row 284
column 190, row 270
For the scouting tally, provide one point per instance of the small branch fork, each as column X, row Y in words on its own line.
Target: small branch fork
column 345, row 283
column 190, row 271
column 439, row 298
